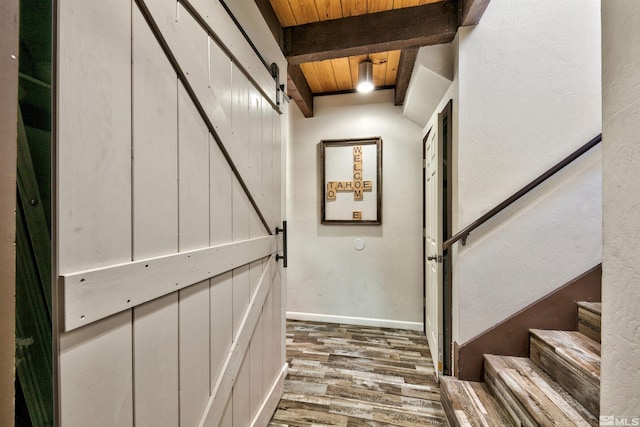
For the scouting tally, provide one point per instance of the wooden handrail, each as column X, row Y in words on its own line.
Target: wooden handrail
column 462, row 234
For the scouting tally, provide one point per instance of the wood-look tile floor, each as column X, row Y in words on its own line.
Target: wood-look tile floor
column 343, row 375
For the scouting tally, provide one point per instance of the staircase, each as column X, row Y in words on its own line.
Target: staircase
column 559, row 384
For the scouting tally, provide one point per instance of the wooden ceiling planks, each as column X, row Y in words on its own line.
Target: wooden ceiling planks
column 341, row 74
column 379, row 61
column 329, row 9
column 283, row 12
column 304, row 11
column 380, row 5
column 324, row 71
column 354, row 7
column 299, row 12
column 309, row 72
column 300, row 28
column 392, row 67
column 354, row 62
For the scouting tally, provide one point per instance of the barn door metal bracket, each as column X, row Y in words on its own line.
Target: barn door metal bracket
column 283, row 257
column 275, row 73
column 436, row 258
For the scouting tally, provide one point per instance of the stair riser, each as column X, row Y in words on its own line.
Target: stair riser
column 589, row 323
column 448, row 409
column 517, row 412
column 531, row 395
column 581, row 385
column 468, row 403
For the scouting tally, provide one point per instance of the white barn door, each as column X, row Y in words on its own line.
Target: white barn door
column 433, row 244
column 168, row 190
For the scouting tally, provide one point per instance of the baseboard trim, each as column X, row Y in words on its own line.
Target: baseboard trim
column 351, row 320
column 557, row 310
column 270, row 403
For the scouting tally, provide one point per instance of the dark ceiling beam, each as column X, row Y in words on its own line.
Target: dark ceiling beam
column 405, row 69
column 471, row 11
column 299, row 90
column 396, row 29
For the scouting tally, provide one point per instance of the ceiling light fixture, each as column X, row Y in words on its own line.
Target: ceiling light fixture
column 365, row 77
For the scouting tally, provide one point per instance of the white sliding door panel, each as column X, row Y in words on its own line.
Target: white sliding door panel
column 256, row 392
column 168, row 196
column 240, row 351
column 93, row 189
column 221, row 300
column 241, row 394
column 96, row 374
column 278, row 167
column 193, row 171
column 240, row 114
column 268, row 342
column 155, row 225
column 241, row 296
column 280, row 322
column 241, row 213
column 227, row 417
column 221, row 197
column 225, row 31
column 156, row 396
column 268, row 149
column 220, row 76
column 255, row 131
column 155, row 146
column 194, row 353
column 176, row 33
column 94, row 134
column 194, row 43
column 255, row 273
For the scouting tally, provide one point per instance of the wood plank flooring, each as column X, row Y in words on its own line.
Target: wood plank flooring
column 343, row 375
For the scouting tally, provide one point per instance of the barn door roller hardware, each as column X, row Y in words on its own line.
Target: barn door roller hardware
column 283, row 230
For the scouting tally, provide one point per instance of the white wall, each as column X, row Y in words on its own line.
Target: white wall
column 328, row 279
column 529, row 94
column 620, row 388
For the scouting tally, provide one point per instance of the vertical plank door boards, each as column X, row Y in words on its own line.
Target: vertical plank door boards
column 93, row 159
column 171, row 36
column 155, row 226
column 223, row 387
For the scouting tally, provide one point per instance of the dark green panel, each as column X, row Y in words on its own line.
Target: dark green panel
column 34, row 382
column 33, row 333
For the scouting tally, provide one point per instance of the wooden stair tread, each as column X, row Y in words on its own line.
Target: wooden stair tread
column 573, row 360
column 575, row 348
column 469, row 403
column 531, row 395
column 594, row 307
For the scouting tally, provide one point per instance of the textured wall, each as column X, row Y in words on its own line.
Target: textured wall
column 620, row 392
column 529, row 89
column 326, row 276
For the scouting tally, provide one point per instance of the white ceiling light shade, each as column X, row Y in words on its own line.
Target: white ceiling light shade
column 365, row 77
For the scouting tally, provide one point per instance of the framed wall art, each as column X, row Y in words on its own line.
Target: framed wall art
column 351, row 181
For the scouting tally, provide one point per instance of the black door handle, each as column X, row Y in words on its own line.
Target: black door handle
column 283, row 257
